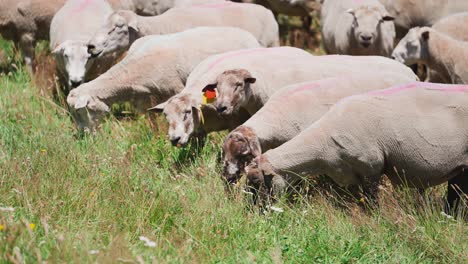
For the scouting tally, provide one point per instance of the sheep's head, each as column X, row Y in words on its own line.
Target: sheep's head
column 115, row 35
column 239, row 148
column 183, row 116
column 233, row 88
column 413, row 47
column 151, row 8
column 75, row 60
column 87, row 111
column 366, row 24
column 262, row 180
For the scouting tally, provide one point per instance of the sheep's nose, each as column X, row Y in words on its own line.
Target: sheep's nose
column 175, row 141
column 392, row 57
column 366, row 37
column 75, row 84
column 221, row 109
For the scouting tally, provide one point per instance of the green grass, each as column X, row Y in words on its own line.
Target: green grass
column 89, row 199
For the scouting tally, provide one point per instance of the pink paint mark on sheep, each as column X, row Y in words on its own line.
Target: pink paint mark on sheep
column 217, row 5
column 305, row 87
column 82, row 6
column 431, row 86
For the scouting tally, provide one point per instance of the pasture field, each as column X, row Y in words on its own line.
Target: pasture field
column 66, row 198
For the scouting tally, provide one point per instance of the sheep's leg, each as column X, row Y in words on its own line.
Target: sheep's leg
column 457, row 189
column 26, row 45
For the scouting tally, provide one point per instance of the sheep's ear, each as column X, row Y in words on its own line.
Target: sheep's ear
column 425, row 35
column 82, row 102
column 350, row 11
column 58, row 49
column 388, row 18
column 158, row 109
column 255, row 148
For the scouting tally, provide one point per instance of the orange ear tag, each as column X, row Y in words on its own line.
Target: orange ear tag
column 209, row 96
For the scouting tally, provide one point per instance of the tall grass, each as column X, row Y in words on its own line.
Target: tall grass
column 89, row 199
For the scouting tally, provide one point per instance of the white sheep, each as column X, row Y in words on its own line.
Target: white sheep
column 254, row 75
column 396, row 132
column 447, row 56
column 156, row 67
column 71, row 29
column 357, row 28
column 124, row 27
column 291, row 110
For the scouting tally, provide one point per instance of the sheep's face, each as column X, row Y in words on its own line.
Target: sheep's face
column 151, row 8
column 233, row 88
column 413, row 47
column 239, row 148
column 75, row 59
column 88, row 112
column 366, row 24
column 183, row 117
column 114, row 36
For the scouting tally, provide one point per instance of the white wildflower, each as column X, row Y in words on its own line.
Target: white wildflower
column 7, row 209
column 147, row 241
column 276, row 209
column 93, row 252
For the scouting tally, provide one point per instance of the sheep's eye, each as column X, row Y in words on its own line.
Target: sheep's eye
column 238, row 85
column 186, row 114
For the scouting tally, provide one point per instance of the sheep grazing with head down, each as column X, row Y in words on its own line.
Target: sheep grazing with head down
column 156, row 67
column 244, row 80
column 396, row 132
column 291, row 110
column 357, row 27
column 447, row 56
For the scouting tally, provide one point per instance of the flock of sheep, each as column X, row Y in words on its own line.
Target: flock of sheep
column 214, row 65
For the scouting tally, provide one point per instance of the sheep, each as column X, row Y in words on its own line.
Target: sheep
column 456, row 27
column 156, row 66
column 420, row 13
column 357, row 28
column 440, row 52
column 124, row 27
column 242, row 69
column 71, row 29
column 291, row 110
column 237, row 89
column 395, row 132
column 25, row 22
column 154, row 7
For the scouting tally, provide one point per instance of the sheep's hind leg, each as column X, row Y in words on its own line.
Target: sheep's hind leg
column 26, row 45
column 457, row 191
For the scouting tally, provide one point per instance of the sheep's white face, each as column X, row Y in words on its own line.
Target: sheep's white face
column 233, row 88
column 366, row 25
column 413, row 47
column 114, row 36
column 75, row 59
column 88, row 112
column 183, row 117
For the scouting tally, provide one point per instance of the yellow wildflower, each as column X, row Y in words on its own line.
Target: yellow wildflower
column 32, row 226
column 2, row 227
column 361, row 200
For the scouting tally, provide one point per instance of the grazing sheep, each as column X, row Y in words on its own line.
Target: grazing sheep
column 157, row 7
column 71, row 29
column 124, row 27
column 25, row 22
column 396, row 132
column 291, row 110
column 237, row 88
column 456, row 26
column 420, row 13
column 253, row 72
column 156, row 66
column 353, row 27
column 447, row 56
